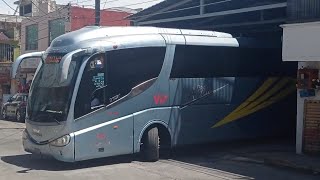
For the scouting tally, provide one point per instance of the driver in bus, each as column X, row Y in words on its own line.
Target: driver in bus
column 96, row 98
column 95, row 102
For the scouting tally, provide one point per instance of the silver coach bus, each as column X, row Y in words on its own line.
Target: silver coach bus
column 106, row 91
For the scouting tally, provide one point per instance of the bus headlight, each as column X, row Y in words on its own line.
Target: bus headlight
column 64, row 140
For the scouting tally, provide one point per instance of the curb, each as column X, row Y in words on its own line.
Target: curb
column 278, row 163
column 291, row 165
column 248, row 160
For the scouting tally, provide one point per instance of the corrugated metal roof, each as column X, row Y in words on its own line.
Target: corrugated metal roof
column 151, row 9
column 245, row 17
column 178, row 8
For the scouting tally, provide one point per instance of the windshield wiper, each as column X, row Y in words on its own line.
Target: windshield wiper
column 38, row 118
column 51, row 116
column 56, row 120
column 52, row 111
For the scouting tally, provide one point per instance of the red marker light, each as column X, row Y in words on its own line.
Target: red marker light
column 101, row 136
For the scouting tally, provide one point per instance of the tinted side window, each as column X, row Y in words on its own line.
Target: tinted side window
column 211, row 61
column 128, row 68
column 206, row 90
column 90, row 93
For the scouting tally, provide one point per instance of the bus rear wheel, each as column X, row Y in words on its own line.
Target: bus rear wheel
column 150, row 146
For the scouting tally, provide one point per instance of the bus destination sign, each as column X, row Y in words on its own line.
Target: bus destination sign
column 52, row 59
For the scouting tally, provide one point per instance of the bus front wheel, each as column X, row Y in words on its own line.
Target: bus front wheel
column 150, row 145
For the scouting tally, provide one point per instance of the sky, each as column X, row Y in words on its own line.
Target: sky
column 4, row 9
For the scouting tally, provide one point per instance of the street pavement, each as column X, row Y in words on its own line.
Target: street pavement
column 203, row 162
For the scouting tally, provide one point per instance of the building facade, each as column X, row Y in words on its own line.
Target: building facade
column 33, row 7
column 301, row 43
column 9, row 49
column 39, row 31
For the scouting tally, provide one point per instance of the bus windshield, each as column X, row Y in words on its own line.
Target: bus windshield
column 49, row 97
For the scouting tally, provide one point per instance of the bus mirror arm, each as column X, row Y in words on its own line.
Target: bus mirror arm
column 65, row 63
column 41, row 58
column 16, row 64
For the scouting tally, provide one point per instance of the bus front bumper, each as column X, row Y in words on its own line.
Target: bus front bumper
column 64, row 153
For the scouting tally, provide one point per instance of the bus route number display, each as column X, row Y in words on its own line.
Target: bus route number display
column 98, row 80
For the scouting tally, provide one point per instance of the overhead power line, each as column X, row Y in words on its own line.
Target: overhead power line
column 34, row 20
column 14, row 9
column 182, row 9
column 165, row 12
column 144, row 2
column 176, row 10
column 38, row 7
column 45, row 13
column 126, row 5
column 42, row 17
column 79, row 3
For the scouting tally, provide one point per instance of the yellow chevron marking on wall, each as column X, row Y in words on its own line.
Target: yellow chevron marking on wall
column 281, row 84
column 261, row 102
column 262, row 89
column 258, row 92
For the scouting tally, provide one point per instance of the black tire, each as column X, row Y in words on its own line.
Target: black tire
column 19, row 116
column 150, row 147
column 4, row 113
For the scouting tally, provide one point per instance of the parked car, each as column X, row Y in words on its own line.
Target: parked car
column 15, row 107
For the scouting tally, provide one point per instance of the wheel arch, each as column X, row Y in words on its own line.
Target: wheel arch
column 163, row 128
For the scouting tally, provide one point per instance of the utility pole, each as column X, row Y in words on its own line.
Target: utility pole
column 97, row 14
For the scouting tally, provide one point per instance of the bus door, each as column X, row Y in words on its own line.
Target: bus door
column 102, row 130
column 135, row 86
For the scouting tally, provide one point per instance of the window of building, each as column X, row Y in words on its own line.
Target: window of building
column 6, row 52
column 27, row 9
column 21, row 11
column 56, row 28
column 32, row 37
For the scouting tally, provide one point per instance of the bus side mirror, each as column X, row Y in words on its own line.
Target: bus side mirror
column 21, row 58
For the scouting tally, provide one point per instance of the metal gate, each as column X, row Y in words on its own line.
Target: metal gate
column 311, row 133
